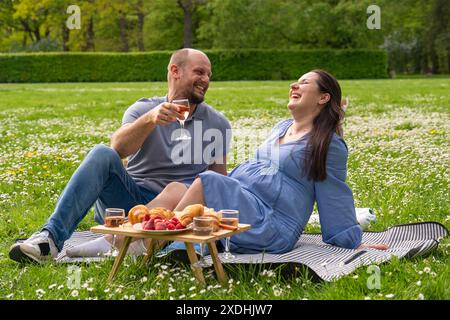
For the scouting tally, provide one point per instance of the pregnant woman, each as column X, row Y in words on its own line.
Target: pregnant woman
column 302, row 162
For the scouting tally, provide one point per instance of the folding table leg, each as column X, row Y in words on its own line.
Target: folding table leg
column 119, row 258
column 198, row 271
column 221, row 275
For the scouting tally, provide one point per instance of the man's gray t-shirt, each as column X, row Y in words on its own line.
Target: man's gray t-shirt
column 162, row 159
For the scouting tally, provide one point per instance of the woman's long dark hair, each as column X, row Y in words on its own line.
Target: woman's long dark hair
column 327, row 122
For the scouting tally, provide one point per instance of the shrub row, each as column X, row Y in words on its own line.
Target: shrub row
column 227, row 65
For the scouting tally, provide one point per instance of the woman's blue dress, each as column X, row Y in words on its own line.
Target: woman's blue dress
column 276, row 198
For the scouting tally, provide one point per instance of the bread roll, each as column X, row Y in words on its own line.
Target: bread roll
column 216, row 216
column 162, row 213
column 137, row 213
column 187, row 215
column 195, row 210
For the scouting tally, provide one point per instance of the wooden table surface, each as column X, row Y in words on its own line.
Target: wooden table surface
column 186, row 236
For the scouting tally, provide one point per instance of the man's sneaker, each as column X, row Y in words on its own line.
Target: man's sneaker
column 38, row 248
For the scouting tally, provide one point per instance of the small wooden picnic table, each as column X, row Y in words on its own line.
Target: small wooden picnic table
column 187, row 237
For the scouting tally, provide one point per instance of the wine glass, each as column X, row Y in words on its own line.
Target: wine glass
column 184, row 110
column 345, row 103
column 114, row 217
column 203, row 226
column 231, row 218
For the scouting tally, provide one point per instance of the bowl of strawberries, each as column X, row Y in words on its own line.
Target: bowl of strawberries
column 160, row 225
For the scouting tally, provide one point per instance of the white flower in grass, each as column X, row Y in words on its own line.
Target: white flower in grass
column 421, row 296
column 172, row 290
column 433, row 274
column 9, row 296
column 149, row 293
column 367, row 298
column 60, row 287
column 277, row 291
column 74, row 293
column 40, row 292
column 389, row 296
column 164, row 267
column 183, row 296
column 419, row 283
column 192, row 295
column 90, row 289
column 426, row 270
column 192, row 288
column 144, row 279
column 52, row 286
column 106, row 290
column 202, row 291
column 355, row 276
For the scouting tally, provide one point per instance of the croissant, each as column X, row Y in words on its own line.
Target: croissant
column 187, row 215
column 216, row 217
column 161, row 212
column 137, row 213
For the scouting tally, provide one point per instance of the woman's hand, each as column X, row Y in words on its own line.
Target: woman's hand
column 378, row 246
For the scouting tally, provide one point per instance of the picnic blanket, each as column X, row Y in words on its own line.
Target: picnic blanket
column 326, row 262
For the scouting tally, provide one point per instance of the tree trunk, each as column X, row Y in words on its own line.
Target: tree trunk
column 65, row 36
column 187, row 35
column 89, row 45
column 140, row 25
column 123, row 31
column 27, row 29
column 37, row 34
column 187, row 6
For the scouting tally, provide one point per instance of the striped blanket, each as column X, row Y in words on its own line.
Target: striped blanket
column 325, row 261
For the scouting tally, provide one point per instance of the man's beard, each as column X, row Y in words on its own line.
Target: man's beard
column 193, row 98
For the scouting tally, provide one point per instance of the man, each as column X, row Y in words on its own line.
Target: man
column 147, row 139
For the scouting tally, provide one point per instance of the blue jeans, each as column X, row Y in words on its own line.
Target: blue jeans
column 101, row 179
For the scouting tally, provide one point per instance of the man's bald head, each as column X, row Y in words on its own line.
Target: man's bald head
column 180, row 57
column 188, row 75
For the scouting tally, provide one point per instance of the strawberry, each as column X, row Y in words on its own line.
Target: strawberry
column 179, row 226
column 146, row 217
column 145, row 225
column 151, row 224
column 170, row 226
column 160, row 225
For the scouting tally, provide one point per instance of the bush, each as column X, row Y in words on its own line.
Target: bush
column 227, row 65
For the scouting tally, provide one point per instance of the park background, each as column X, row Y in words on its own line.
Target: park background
column 60, row 95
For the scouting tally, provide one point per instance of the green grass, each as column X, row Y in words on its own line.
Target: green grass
column 398, row 136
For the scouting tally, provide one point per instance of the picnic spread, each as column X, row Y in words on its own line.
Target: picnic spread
column 162, row 224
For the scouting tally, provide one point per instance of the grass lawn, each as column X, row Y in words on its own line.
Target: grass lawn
column 398, row 137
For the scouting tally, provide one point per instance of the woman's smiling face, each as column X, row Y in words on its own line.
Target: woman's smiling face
column 305, row 92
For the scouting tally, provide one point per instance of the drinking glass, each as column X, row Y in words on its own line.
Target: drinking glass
column 231, row 218
column 345, row 103
column 184, row 110
column 202, row 226
column 114, row 217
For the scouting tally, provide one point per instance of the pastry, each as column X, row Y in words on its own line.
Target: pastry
column 187, row 215
column 215, row 216
column 137, row 213
column 161, row 212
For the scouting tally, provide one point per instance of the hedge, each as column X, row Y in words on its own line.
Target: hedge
column 227, row 65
